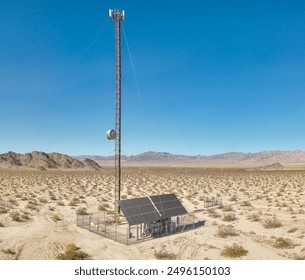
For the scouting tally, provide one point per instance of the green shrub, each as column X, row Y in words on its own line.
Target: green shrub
column 56, row 218
column 229, row 217
column 3, row 210
column 81, row 211
column 227, row 209
column 31, row 206
column 103, row 206
column 298, row 257
column 281, row 242
column 234, row 251
column 233, row 198
column 74, row 202
column 25, row 216
column 272, row 223
column 52, row 196
column 72, row 252
column 13, row 201
column 71, row 248
column 255, row 217
column 213, row 213
column 16, row 217
column 43, row 200
column 162, row 255
column 33, row 202
column 9, row 251
column 292, row 230
column 246, row 203
column 224, row 232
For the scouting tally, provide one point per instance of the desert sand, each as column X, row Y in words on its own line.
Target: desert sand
column 263, row 211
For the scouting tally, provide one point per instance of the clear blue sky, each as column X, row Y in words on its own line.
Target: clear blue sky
column 213, row 76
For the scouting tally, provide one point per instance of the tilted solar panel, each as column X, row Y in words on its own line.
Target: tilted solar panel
column 168, row 205
column 139, row 210
column 153, row 208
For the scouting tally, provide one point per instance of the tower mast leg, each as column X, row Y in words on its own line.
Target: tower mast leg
column 117, row 17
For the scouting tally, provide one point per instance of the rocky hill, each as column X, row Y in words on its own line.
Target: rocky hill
column 45, row 161
column 265, row 156
column 270, row 167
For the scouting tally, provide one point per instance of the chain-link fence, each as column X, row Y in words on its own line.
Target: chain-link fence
column 102, row 224
column 212, row 202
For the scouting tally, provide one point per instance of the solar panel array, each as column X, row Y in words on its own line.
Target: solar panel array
column 148, row 209
column 168, row 205
column 139, row 210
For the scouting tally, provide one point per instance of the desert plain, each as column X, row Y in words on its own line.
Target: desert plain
column 262, row 215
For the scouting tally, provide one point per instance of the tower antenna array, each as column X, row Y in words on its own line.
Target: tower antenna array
column 117, row 16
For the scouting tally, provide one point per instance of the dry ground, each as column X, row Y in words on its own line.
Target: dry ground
column 264, row 212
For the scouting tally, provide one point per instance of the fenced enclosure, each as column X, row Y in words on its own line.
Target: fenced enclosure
column 6, row 204
column 212, row 202
column 102, row 224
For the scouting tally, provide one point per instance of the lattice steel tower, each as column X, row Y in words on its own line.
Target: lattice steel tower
column 117, row 16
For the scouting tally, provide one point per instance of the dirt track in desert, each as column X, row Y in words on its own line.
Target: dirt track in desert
column 262, row 211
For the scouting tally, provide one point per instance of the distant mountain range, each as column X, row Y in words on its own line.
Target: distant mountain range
column 56, row 161
column 265, row 156
column 44, row 161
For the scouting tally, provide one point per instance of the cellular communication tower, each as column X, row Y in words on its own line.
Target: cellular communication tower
column 146, row 217
column 115, row 134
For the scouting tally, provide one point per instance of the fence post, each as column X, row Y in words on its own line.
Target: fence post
column 90, row 219
column 115, row 232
